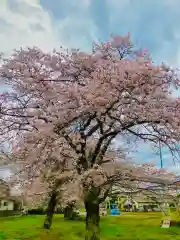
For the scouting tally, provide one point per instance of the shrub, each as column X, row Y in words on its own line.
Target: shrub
column 36, row 211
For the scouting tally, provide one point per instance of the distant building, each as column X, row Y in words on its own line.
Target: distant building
column 7, row 202
column 4, row 189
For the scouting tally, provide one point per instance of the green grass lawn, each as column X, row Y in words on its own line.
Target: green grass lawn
column 131, row 226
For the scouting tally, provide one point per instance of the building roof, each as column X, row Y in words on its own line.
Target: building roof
column 10, row 198
column 177, row 180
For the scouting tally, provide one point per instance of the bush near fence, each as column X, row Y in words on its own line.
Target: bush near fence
column 8, row 213
column 42, row 211
column 36, row 211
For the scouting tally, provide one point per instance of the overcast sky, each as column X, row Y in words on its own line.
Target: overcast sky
column 153, row 24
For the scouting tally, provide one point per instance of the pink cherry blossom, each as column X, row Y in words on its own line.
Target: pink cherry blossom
column 71, row 106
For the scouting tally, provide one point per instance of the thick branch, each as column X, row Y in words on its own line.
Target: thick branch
column 103, row 150
column 99, row 144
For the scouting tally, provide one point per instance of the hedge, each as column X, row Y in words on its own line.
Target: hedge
column 7, row 213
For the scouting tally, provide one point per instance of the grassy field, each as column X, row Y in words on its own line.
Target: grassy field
column 134, row 226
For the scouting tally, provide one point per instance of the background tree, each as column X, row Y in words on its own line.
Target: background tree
column 83, row 98
column 42, row 177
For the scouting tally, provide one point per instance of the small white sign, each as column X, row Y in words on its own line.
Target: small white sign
column 166, row 224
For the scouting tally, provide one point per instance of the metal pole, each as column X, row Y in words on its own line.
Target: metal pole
column 160, row 153
column 22, row 202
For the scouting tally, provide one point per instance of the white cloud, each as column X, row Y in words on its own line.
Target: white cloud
column 26, row 23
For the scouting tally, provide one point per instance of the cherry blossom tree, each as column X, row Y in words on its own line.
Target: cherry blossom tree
column 40, row 178
column 85, row 101
column 70, row 198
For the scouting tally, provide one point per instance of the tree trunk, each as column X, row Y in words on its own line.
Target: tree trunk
column 92, row 221
column 65, row 212
column 68, row 213
column 50, row 211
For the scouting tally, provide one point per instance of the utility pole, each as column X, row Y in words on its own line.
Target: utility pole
column 160, row 154
column 22, row 202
